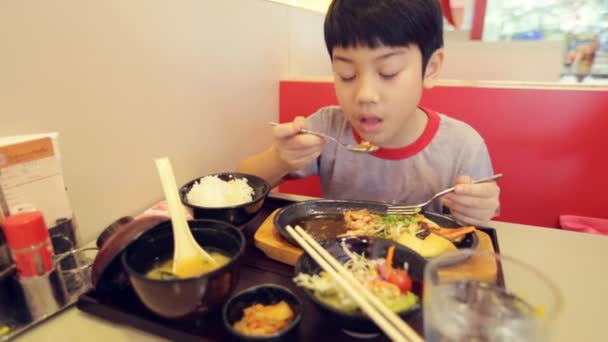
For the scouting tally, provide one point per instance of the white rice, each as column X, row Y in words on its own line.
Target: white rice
column 211, row 191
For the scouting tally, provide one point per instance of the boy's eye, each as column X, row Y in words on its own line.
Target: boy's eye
column 347, row 78
column 389, row 76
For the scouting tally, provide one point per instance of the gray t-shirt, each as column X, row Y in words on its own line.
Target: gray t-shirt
column 448, row 148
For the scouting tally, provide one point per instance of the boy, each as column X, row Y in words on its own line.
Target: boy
column 383, row 53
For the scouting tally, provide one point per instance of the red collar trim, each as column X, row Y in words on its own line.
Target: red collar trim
column 423, row 141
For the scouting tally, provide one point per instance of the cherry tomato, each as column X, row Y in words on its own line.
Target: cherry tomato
column 401, row 279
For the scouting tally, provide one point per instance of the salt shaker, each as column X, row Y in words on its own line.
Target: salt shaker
column 30, row 246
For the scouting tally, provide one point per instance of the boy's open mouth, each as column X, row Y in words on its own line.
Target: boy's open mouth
column 370, row 124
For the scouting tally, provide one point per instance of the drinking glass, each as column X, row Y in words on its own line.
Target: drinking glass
column 74, row 269
column 502, row 299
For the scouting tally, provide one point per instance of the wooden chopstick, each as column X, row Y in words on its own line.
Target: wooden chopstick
column 391, row 331
column 388, row 321
column 390, row 315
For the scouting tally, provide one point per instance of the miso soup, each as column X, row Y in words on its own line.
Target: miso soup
column 193, row 267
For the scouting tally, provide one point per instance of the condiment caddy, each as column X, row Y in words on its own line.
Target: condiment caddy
column 32, row 287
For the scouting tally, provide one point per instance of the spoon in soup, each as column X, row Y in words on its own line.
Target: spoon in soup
column 363, row 146
column 189, row 258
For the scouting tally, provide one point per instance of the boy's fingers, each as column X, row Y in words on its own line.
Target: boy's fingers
column 470, row 202
column 306, row 159
column 478, row 190
column 289, row 129
column 300, row 123
column 305, row 151
column 464, row 180
column 475, row 205
column 300, row 160
column 306, row 141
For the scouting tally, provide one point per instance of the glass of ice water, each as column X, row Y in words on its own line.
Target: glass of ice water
column 500, row 299
column 74, row 269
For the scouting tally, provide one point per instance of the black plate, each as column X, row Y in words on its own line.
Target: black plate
column 297, row 211
column 357, row 323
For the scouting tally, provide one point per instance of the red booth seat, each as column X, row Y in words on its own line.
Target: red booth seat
column 550, row 143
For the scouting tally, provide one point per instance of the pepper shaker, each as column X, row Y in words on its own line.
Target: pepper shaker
column 30, row 246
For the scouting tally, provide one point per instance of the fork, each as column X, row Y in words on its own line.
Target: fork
column 413, row 209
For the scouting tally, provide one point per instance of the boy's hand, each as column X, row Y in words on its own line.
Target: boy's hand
column 473, row 204
column 295, row 150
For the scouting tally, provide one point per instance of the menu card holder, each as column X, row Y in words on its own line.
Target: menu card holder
column 31, row 178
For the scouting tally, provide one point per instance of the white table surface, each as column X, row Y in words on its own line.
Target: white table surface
column 576, row 262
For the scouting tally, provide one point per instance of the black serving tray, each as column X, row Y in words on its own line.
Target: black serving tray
column 124, row 307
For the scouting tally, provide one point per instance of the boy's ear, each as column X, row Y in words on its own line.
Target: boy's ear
column 433, row 68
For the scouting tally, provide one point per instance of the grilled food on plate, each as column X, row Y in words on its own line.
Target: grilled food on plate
column 414, row 231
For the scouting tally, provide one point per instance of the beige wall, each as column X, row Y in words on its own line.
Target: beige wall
column 307, row 52
column 124, row 82
column 537, row 61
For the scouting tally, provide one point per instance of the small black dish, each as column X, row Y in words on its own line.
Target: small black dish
column 264, row 294
column 357, row 324
column 334, row 210
column 237, row 215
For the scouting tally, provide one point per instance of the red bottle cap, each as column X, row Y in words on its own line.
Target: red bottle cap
column 25, row 229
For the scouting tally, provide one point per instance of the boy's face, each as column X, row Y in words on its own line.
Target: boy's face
column 379, row 90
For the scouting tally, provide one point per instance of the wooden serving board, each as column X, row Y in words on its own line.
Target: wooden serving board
column 269, row 241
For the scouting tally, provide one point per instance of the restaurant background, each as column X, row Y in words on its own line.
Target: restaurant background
column 580, row 25
column 573, row 25
column 126, row 82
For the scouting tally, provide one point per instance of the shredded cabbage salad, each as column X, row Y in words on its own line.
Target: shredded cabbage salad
column 389, row 284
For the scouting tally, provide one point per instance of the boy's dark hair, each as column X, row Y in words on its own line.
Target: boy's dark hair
column 392, row 23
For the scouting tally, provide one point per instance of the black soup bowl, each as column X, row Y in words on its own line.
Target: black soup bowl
column 183, row 298
column 357, row 323
column 235, row 214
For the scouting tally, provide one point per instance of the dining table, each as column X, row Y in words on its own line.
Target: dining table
column 574, row 261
